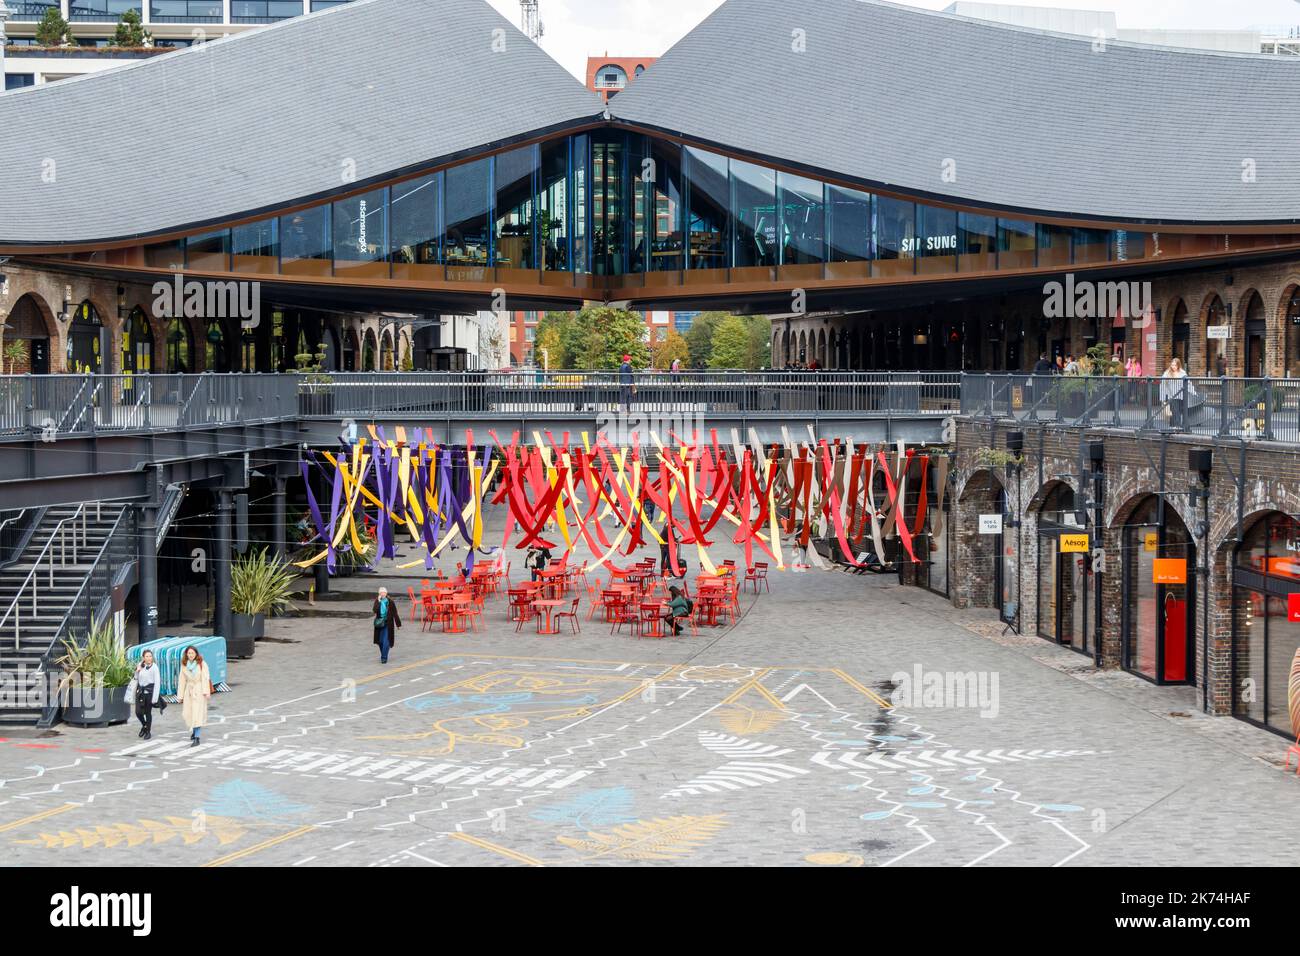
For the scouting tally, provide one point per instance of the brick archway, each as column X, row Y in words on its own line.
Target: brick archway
column 1201, row 362
column 1287, row 319
column 31, row 320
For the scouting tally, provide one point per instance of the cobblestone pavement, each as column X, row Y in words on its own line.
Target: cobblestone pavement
column 768, row 742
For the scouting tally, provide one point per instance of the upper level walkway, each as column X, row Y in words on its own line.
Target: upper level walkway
column 1251, row 409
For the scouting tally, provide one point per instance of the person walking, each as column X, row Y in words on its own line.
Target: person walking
column 678, row 607
column 386, row 623
column 1175, row 390
column 193, row 688
column 626, row 386
column 144, row 687
column 1071, row 365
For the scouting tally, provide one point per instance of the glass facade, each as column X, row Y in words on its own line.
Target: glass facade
column 185, row 11
column 639, row 211
column 103, row 10
column 1265, row 641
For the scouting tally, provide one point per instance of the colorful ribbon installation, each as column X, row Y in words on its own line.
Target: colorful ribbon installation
column 687, row 494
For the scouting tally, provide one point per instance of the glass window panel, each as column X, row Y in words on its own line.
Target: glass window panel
column 1017, row 246
column 255, row 246
column 553, row 220
column 665, row 227
column 753, row 208
column 1130, row 245
column 977, row 242
column 1283, row 640
column 1054, row 245
column 305, row 236
column 516, row 174
column 1091, row 245
column 936, row 239
column 803, row 220
column 465, row 201
column 895, row 228
column 581, row 159
column 415, row 225
column 708, row 197
column 850, row 215
column 209, row 251
column 610, row 226
column 360, row 229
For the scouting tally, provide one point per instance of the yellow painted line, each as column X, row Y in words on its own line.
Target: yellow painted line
column 753, row 684
column 486, row 845
column 868, row 692
column 15, row 824
column 258, row 847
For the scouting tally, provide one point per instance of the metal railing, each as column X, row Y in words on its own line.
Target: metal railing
column 111, row 565
column 1266, row 409
column 585, row 393
column 28, row 596
column 62, row 406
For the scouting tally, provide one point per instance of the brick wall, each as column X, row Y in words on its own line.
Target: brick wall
column 1132, row 470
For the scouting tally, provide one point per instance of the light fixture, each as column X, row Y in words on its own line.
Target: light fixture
column 920, row 338
column 66, row 312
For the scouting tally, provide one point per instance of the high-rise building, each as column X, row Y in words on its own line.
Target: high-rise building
column 170, row 23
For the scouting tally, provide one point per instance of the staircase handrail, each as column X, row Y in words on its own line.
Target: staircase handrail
column 29, row 582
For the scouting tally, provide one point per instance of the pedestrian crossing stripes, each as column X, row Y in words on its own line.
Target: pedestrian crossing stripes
column 929, row 759
column 358, row 766
column 730, row 746
column 737, row 775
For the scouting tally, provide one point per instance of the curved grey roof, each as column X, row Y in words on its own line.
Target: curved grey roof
column 271, row 116
column 1035, row 121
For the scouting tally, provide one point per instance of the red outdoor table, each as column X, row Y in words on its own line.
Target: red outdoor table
column 548, row 605
column 457, row 617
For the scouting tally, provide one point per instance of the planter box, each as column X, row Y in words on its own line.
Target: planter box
column 108, row 706
column 249, row 626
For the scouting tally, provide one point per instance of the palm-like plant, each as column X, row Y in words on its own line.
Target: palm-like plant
column 98, row 662
column 261, row 583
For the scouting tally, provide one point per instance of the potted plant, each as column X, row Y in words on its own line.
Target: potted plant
column 259, row 584
column 316, row 396
column 96, row 673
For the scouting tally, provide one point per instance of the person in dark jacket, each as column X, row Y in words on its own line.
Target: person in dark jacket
column 144, row 687
column 626, row 386
column 678, row 608
column 386, row 623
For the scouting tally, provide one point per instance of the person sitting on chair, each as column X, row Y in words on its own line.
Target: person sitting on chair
column 679, row 606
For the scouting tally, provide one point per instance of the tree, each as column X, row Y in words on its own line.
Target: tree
column 15, row 352
column 731, row 343
column 699, row 337
column 672, row 347
column 130, row 32
column 53, row 30
column 759, row 353
column 549, row 339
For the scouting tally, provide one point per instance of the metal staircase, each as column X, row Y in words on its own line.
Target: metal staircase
column 56, row 589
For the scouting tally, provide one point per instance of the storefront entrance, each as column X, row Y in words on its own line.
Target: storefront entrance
column 1264, row 639
column 85, row 341
column 1065, row 579
column 1159, row 595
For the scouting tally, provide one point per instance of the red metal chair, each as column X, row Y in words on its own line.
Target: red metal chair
column 610, row 601
column 625, row 612
column 519, row 599
column 415, row 604
column 756, row 575
column 526, row 613
column 652, row 622
column 572, row 615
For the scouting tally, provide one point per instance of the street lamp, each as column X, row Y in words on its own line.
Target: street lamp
column 1201, row 462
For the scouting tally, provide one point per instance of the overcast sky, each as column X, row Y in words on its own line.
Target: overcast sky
column 576, row 29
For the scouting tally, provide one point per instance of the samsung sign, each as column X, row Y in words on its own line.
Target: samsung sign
column 930, row 244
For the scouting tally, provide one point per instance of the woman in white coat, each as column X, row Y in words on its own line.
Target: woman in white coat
column 193, row 688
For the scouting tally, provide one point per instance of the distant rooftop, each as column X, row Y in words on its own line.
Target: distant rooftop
column 1105, row 24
